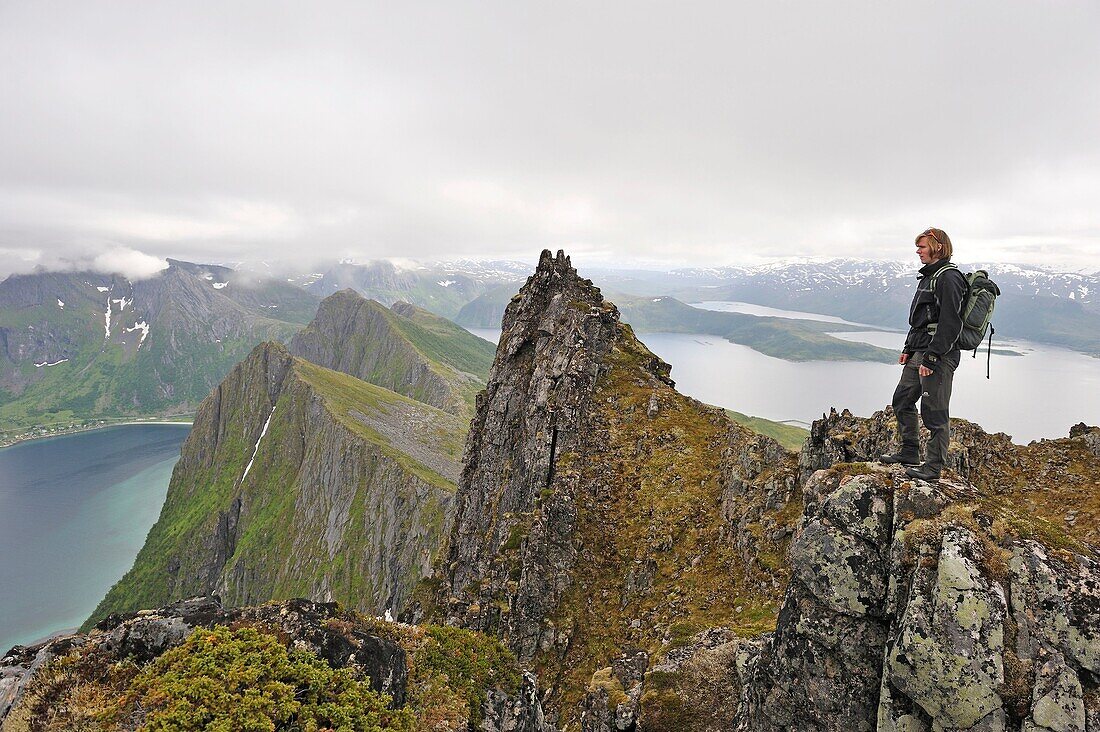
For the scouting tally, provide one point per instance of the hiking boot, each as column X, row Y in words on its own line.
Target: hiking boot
column 900, row 458
column 923, row 472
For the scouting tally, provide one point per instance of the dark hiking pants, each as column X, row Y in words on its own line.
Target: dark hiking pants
column 934, row 393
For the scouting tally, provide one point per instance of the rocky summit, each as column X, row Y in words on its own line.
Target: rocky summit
column 609, row 555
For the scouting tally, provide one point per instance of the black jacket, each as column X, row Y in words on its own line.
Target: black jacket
column 944, row 307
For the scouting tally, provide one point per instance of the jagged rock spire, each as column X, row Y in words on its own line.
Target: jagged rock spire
column 556, row 332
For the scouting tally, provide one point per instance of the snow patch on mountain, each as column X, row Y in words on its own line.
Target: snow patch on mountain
column 143, row 327
column 256, row 447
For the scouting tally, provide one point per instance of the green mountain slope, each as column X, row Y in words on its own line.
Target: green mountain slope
column 78, row 346
column 403, row 348
column 787, row 435
column 300, row 481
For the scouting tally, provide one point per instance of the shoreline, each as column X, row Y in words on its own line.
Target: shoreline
column 76, row 430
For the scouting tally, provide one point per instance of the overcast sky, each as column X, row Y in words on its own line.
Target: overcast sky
column 633, row 132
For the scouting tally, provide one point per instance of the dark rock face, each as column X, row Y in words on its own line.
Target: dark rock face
column 599, row 510
column 556, row 333
column 519, row 713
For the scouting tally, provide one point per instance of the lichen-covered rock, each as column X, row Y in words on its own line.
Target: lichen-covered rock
column 1062, row 599
column 821, row 668
column 839, row 557
column 941, row 610
column 1057, row 702
column 946, row 652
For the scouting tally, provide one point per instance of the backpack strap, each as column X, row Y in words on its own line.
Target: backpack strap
column 931, row 327
column 941, row 270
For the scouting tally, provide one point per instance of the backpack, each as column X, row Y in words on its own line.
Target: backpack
column 977, row 311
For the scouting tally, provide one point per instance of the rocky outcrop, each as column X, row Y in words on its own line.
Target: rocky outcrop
column 1056, row 480
column 297, row 481
column 557, row 332
column 391, row 347
column 921, row 607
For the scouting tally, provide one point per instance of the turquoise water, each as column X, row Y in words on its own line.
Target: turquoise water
column 74, row 511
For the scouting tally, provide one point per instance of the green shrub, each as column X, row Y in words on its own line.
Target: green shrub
column 469, row 662
column 243, row 680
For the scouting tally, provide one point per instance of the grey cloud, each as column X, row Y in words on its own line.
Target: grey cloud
column 692, row 133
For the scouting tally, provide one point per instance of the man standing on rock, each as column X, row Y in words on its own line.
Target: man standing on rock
column 930, row 357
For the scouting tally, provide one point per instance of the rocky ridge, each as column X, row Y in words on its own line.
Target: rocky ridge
column 900, row 599
column 662, row 568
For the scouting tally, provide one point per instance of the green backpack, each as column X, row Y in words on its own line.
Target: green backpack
column 977, row 311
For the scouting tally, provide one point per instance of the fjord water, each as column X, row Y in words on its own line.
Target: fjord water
column 1039, row 393
column 74, row 511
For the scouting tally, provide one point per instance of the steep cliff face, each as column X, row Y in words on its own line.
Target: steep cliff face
column 299, row 481
column 403, row 349
column 599, row 510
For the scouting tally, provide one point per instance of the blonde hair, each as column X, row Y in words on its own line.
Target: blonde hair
column 938, row 242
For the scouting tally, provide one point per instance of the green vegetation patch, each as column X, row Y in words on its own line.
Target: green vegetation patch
column 221, row 679
column 347, row 395
column 442, row 341
column 470, row 663
column 240, row 680
column 657, row 565
column 787, row 435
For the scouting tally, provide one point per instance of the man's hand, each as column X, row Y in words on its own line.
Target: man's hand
column 925, row 371
column 903, row 358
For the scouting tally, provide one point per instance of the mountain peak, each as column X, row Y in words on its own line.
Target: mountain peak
column 404, row 349
column 590, row 487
